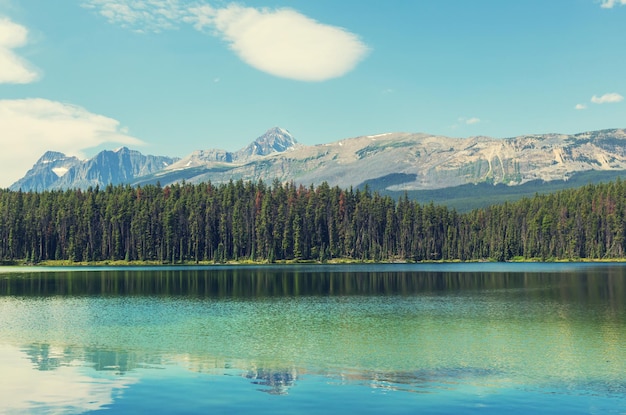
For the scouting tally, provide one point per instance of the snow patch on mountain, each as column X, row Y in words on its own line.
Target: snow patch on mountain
column 60, row 171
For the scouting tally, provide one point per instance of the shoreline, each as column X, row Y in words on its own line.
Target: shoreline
column 337, row 261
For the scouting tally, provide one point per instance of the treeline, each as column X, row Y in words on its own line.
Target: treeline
column 260, row 222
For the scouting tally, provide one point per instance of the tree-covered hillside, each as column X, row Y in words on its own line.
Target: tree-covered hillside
column 256, row 221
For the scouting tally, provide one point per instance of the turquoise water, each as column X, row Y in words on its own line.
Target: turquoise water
column 425, row 338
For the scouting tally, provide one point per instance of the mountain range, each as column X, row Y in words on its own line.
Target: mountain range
column 56, row 171
column 393, row 162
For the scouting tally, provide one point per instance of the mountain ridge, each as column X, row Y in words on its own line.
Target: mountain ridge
column 56, row 171
column 433, row 161
column 46, row 171
column 273, row 141
column 395, row 161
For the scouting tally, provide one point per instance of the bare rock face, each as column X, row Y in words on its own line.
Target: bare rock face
column 275, row 140
column 400, row 161
column 46, row 172
column 56, row 171
column 432, row 162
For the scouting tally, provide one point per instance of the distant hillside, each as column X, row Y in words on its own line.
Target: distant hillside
column 460, row 172
column 474, row 196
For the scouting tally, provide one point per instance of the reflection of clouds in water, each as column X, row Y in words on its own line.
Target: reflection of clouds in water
column 68, row 388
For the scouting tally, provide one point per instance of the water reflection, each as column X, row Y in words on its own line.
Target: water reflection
column 104, row 374
column 46, row 379
column 605, row 284
column 49, row 379
column 84, row 339
column 275, row 382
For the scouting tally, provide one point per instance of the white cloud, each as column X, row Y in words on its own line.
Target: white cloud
column 13, row 69
column 609, row 4
column 284, row 42
column 280, row 42
column 610, row 98
column 140, row 15
column 32, row 126
column 580, row 106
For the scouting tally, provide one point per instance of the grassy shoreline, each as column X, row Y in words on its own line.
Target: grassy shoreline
column 336, row 261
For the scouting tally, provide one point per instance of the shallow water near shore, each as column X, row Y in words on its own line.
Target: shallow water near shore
column 395, row 338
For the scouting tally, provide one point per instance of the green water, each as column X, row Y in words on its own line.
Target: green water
column 539, row 337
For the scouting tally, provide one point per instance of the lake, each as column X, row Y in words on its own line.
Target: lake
column 394, row 339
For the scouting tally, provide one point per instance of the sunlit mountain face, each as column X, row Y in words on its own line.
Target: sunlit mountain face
column 393, row 162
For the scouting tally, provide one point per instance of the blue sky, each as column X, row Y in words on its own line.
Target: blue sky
column 168, row 77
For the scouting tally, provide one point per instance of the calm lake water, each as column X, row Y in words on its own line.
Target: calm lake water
column 392, row 339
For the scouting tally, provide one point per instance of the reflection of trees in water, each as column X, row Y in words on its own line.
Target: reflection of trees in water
column 120, row 362
column 595, row 285
column 46, row 357
column 277, row 380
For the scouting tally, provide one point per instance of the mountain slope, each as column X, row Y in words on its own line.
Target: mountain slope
column 107, row 167
column 275, row 140
column 112, row 167
column 422, row 161
column 392, row 162
column 46, row 172
column 215, row 164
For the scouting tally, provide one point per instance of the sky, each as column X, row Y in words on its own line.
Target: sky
column 167, row 77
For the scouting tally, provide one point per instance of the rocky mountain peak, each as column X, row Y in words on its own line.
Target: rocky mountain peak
column 51, row 157
column 50, row 167
column 55, row 170
column 393, row 161
column 122, row 150
column 275, row 140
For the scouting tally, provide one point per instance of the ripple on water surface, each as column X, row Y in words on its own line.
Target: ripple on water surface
column 536, row 342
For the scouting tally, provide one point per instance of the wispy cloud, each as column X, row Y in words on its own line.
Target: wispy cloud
column 468, row 121
column 610, row 98
column 281, row 42
column 140, row 15
column 609, row 4
column 580, row 106
column 13, row 69
column 32, row 126
column 463, row 121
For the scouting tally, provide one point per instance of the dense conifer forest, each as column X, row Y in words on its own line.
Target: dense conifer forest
column 261, row 222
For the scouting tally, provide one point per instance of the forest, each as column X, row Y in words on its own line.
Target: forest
column 247, row 221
